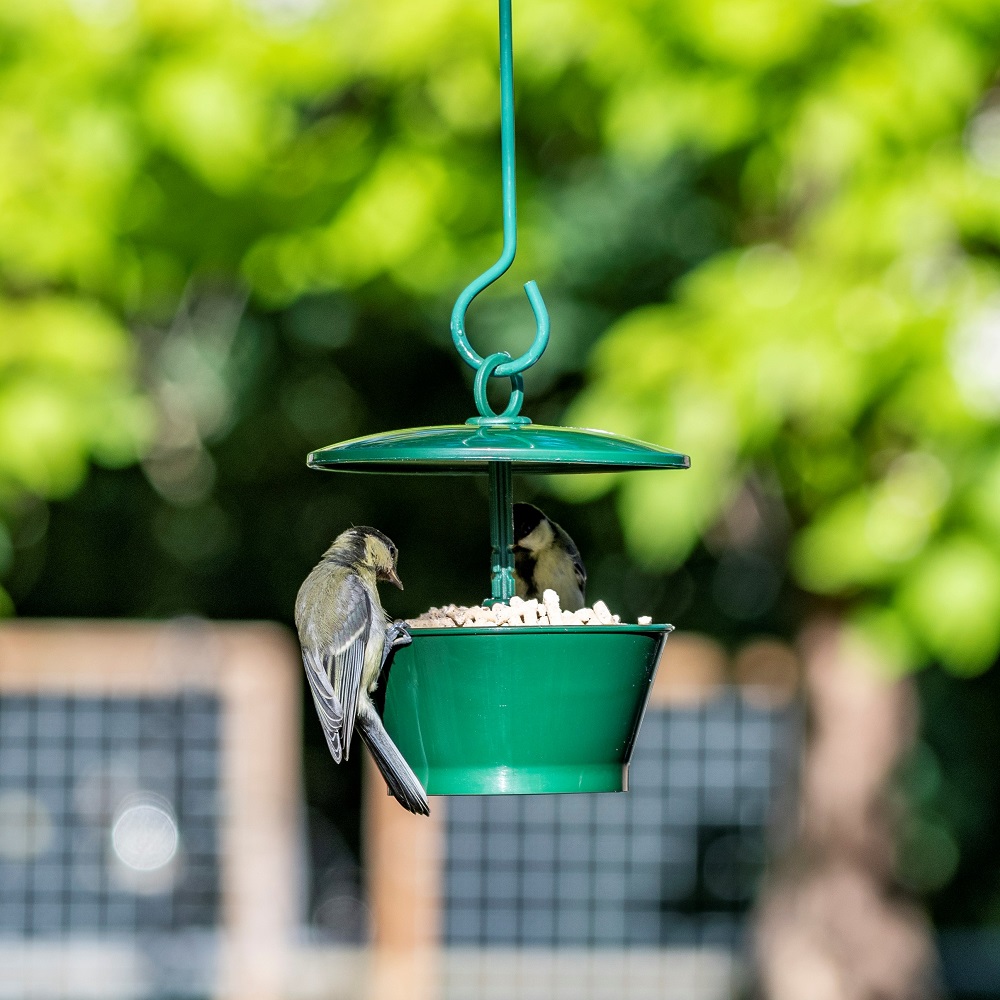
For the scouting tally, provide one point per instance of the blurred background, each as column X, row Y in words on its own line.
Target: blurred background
column 768, row 233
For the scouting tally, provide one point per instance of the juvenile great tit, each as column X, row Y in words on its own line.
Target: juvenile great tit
column 545, row 558
column 346, row 640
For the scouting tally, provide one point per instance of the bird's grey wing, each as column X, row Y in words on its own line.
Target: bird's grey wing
column 352, row 616
column 402, row 782
column 581, row 573
column 328, row 707
column 574, row 553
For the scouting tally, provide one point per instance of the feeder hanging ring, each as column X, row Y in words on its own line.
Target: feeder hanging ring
column 487, row 414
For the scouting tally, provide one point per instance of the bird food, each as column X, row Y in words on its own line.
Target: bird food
column 517, row 612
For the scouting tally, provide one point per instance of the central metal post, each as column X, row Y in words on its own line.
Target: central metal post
column 502, row 531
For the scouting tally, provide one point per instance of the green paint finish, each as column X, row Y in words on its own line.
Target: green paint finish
column 501, row 532
column 502, row 711
column 461, row 448
column 502, row 365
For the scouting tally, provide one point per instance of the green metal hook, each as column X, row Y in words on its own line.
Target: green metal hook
column 508, row 187
column 500, row 364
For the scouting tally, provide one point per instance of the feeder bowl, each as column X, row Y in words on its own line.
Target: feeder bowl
column 519, row 711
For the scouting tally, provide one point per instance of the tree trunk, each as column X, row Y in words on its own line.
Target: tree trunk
column 832, row 922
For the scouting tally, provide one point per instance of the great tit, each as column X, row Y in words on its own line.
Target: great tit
column 346, row 640
column 545, row 558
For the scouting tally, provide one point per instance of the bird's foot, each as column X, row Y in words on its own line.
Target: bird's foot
column 397, row 635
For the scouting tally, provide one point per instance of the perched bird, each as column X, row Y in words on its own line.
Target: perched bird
column 346, row 641
column 545, row 558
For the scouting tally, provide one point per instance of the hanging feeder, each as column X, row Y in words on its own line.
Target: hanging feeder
column 512, row 710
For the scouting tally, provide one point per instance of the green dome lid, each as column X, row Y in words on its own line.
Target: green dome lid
column 466, row 448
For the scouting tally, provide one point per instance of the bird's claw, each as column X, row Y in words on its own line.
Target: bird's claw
column 397, row 635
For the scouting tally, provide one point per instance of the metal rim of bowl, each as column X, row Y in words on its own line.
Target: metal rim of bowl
column 623, row 628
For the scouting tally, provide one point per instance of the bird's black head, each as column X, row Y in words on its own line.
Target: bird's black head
column 368, row 547
column 527, row 517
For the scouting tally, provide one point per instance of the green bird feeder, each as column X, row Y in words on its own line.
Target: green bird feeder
column 512, row 710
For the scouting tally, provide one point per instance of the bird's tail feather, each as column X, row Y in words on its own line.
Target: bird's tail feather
column 403, row 783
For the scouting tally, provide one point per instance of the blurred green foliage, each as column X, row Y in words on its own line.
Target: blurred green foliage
column 838, row 359
column 767, row 232
column 850, row 352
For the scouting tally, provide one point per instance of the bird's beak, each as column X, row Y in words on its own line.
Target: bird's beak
column 393, row 577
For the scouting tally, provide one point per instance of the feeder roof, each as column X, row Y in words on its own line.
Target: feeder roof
column 466, row 448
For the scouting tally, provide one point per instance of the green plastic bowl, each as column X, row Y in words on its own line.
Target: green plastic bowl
column 520, row 711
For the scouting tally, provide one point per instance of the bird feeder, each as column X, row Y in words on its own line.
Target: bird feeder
column 512, row 710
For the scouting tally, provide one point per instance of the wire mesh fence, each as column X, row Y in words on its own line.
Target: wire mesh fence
column 673, row 862
column 95, row 794
column 138, row 808
column 149, row 805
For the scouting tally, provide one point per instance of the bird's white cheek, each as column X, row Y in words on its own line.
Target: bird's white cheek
column 536, row 539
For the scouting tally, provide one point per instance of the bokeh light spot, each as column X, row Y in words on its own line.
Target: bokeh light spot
column 145, row 835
